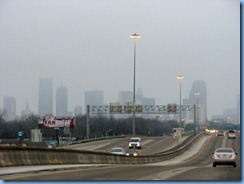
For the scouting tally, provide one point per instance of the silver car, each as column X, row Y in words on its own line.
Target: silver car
column 231, row 134
column 224, row 156
column 118, row 151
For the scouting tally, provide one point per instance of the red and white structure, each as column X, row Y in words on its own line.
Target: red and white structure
column 57, row 122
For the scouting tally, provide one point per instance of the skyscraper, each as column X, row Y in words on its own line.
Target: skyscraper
column 61, row 101
column 45, row 97
column 78, row 111
column 26, row 112
column 125, row 96
column 200, row 100
column 93, row 98
column 9, row 106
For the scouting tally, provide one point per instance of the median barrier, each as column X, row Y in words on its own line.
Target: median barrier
column 19, row 156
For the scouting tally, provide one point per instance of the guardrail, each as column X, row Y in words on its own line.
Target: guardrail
column 16, row 156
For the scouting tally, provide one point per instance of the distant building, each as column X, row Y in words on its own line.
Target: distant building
column 9, row 106
column 125, row 96
column 231, row 115
column 45, row 97
column 148, row 101
column 238, row 108
column 93, row 98
column 140, row 99
column 26, row 112
column 62, row 101
column 78, row 111
column 198, row 87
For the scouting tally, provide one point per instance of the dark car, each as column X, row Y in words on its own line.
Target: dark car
column 132, row 152
column 224, row 156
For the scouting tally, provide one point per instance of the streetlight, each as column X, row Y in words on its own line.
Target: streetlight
column 197, row 112
column 180, row 78
column 134, row 37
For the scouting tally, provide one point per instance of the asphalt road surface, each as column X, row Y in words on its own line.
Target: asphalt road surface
column 195, row 168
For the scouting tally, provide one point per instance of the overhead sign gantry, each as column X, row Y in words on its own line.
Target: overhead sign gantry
column 130, row 107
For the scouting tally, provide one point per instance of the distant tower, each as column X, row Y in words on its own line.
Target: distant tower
column 93, row 98
column 61, row 101
column 200, row 87
column 27, row 112
column 78, row 111
column 9, row 106
column 125, row 96
column 45, row 98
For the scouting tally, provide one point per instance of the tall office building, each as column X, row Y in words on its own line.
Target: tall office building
column 26, row 112
column 198, row 96
column 61, row 101
column 9, row 106
column 125, row 96
column 45, row 97
column 93, row 98
column 78, row 111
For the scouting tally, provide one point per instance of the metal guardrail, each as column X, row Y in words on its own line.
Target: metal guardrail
column 96, row 139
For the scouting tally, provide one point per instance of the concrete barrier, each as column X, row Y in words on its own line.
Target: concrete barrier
column 19, row 156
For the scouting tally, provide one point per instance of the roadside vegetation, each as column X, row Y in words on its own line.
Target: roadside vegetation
column 102, row 126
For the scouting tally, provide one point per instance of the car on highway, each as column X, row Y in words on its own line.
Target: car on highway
column 135, row 142
column 132, row 152
column 224, row 156
column 220, row 133
column 231, row 134
column 118, row 151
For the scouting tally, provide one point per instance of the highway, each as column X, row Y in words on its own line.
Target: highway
column 198, row 167
column 150, row 145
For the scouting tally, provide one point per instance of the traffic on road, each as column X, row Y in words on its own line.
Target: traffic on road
column 189, row 166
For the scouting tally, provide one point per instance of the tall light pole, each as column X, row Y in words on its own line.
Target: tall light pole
column 197, row 112
column 134, row 37
column 180, row 78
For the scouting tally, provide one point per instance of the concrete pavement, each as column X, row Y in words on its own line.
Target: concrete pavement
column 187, row 155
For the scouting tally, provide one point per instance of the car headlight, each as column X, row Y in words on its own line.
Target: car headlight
column 135, row 154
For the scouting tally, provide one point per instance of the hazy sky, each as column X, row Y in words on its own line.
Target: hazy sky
column 86, row 45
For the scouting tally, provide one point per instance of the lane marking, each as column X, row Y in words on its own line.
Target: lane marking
column 49, row 172
column 199, row 152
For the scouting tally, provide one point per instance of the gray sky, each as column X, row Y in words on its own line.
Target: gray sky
column 85, row 45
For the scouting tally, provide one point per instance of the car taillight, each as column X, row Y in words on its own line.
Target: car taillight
column 232, row 155
column 216, row 155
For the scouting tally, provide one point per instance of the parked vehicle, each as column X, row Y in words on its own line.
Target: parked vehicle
column 224, row 156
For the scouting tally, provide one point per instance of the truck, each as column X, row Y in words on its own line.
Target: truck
column 135, row 142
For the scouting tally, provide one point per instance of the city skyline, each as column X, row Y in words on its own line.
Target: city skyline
column 86, row 45
column 96, row 97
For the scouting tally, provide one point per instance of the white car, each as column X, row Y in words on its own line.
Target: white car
column 135, row 142
column 231, row 134
column 118, row 151
column 224, row 156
